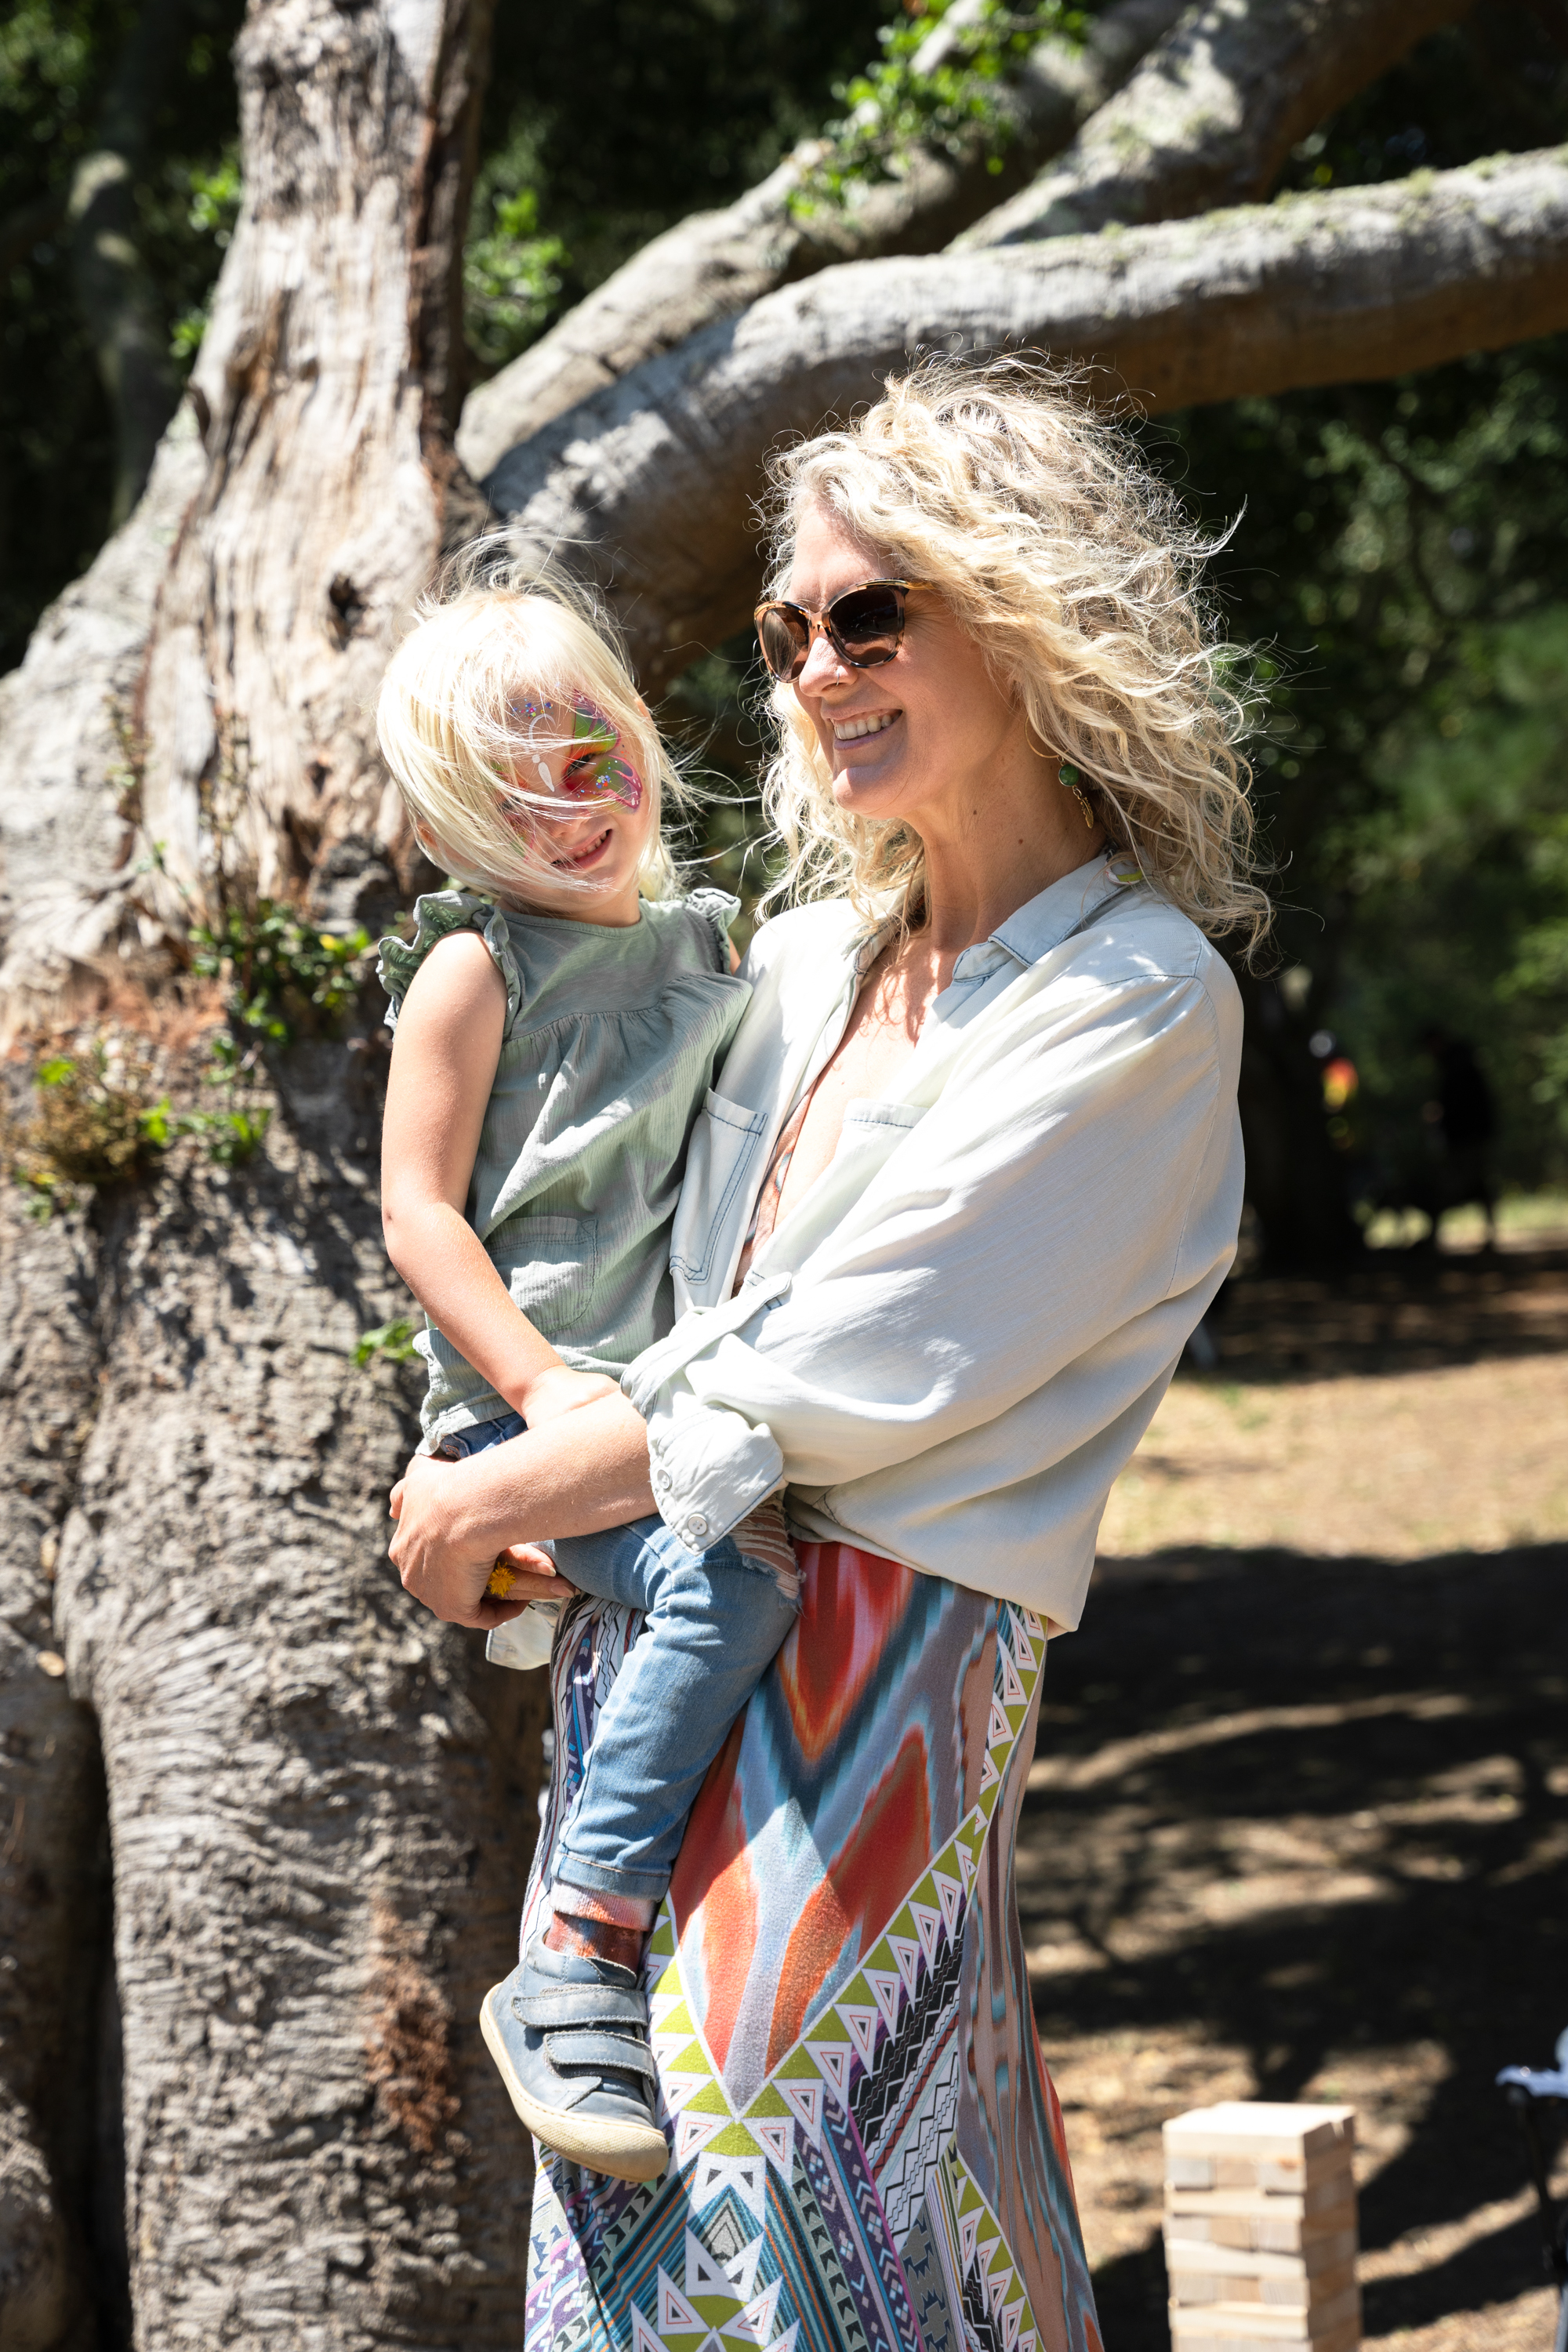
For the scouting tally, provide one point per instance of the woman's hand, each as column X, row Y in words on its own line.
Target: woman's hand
column 446, row 1563
column 583, row 1470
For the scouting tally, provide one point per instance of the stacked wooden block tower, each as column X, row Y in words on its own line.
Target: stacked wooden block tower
column 1260, row 2229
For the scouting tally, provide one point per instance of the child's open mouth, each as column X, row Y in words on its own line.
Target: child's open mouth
column 594, row 850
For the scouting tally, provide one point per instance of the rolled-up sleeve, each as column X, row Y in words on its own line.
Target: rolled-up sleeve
column 1075, row 1175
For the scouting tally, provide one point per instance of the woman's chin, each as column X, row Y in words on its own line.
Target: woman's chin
column 875, row 791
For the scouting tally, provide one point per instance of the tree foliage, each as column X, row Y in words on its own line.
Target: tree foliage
column 1395, row 550
column 57, row 429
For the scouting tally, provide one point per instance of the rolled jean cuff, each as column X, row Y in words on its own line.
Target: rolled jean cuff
column 610, row 1878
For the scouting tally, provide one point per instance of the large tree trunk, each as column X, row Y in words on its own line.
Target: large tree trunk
column 716, row 264
column 319, row 1802
column 55, row 2262
column 655, row 478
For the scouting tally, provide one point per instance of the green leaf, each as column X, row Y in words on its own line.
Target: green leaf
column 393, row 1342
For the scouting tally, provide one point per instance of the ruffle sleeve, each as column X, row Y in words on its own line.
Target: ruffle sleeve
column 436, row 919
column 716, row 909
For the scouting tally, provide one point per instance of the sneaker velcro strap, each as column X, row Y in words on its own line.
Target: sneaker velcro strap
column 605, row 2051
column 582, row 2004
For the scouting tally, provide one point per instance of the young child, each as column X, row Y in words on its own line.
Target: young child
column 557, row 1025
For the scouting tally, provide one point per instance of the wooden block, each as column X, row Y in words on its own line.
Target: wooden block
column 1252, row 2237
column 1257, row 2327
column 1276, row 2176
column 1276, row 2223
column 1256, row 2262
column 1201, row 2331
column 1281, row 2290
column 1322, row 2195
column 1317, row 2318
column 1261, row 2130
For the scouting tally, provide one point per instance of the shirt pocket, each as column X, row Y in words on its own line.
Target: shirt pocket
column 554, row 1265
column 719, row 1159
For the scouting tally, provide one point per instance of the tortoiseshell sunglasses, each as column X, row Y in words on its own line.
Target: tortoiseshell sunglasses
column 864, row 625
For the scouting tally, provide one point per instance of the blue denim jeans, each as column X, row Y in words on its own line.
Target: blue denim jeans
column 714, row 1622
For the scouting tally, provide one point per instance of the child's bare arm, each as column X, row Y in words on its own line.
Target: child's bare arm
column 444, row 1058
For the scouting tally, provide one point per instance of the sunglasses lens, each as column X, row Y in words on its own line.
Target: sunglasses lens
column 867, row 624
column 784, row 638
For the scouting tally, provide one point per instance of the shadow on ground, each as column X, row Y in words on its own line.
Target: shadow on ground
column 1315, row 1814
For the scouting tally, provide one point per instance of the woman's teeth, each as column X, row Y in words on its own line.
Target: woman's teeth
column 849, row 730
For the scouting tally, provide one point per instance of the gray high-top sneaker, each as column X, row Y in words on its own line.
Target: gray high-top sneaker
column 570, row 2037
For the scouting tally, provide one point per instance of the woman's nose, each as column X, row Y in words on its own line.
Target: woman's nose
column 822, row 664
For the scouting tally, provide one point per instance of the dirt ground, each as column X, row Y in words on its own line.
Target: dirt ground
column 1297, row 1823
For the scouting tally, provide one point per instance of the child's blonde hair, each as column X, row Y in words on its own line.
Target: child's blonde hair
column 462, row 717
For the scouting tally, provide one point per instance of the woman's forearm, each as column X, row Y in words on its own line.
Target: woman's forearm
column 582, row 1471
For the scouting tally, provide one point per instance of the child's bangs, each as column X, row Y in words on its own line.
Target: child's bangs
column 489, row 686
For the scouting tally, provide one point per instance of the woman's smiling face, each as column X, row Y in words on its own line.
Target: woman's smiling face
column 915, row 738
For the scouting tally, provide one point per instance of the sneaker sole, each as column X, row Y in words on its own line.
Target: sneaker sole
column 624, row 2151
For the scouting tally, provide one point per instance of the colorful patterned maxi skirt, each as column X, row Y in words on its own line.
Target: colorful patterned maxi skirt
column 867, row 2155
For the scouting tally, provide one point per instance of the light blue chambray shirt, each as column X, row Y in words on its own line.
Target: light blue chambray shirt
column 612, row 1036
column 952, row 1342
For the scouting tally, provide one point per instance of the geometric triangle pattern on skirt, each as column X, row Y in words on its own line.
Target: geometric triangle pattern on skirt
column 866, row 2151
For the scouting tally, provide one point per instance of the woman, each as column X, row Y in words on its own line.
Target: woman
column 973, row 1177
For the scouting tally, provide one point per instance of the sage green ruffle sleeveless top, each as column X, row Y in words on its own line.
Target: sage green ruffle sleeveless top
column 611, row 1040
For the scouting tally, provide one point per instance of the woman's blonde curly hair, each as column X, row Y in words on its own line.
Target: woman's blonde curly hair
column 1077, row 571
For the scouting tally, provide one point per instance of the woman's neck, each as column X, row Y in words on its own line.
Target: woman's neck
column 992, row 841
column 972, row 883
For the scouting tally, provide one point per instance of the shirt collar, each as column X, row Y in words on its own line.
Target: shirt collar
column 1043, row 922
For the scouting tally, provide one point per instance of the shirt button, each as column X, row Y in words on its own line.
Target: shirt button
column 661, row 1479
column 697, row 1526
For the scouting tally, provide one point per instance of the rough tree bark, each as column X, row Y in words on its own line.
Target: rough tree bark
column 654, row 479
column 715, row 264
column 53, row 1875
column 319, row 1804
column 1213, row 111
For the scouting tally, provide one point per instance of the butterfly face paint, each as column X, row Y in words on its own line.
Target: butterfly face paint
column 594, row 771
column 592, row 768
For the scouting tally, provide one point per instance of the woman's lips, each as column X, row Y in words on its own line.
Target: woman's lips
column 864, row 727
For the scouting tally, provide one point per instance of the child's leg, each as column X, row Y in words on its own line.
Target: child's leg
column 715, row 1620
column 568, row 2028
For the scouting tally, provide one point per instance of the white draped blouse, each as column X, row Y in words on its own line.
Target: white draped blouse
column 952, row 1344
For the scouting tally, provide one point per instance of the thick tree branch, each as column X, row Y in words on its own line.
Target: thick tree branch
column 1213, row 110
column 655, row 477
column 715, row 264
column 118, row 299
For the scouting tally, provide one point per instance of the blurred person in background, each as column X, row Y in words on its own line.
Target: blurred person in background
column 1461, row 1128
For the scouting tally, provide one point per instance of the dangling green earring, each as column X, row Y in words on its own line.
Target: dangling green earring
column 1073, row 780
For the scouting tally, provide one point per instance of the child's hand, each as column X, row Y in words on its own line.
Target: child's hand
column 515, row 1568
column 561, row 1390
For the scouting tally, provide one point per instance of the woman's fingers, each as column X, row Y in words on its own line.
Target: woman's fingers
column 437, row 1565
